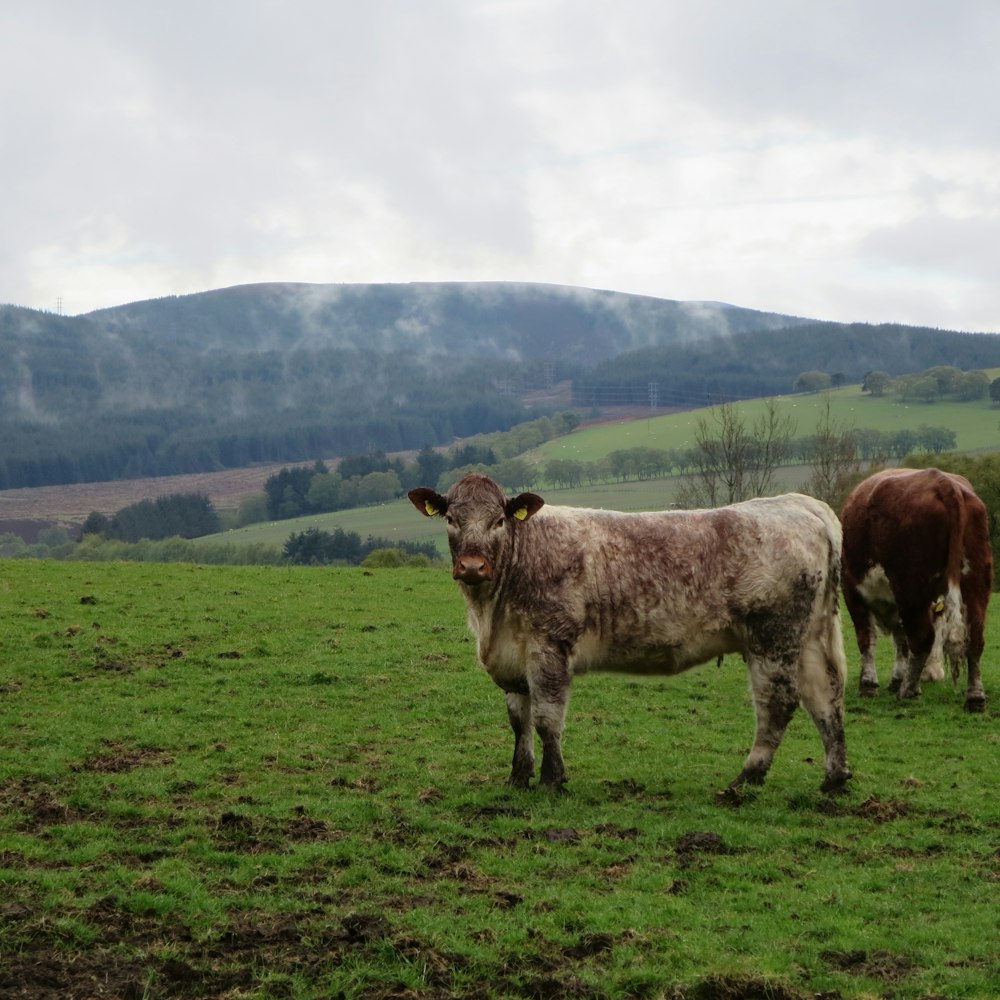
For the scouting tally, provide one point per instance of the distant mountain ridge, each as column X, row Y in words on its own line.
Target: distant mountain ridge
column 506, row 320
column 284, row 372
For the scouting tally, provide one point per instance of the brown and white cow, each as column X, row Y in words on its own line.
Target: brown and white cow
column 917, row 564
column 554, row 591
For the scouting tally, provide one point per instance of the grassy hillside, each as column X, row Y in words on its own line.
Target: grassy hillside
column 976, row 425
column 290, row 783
column 281, row 373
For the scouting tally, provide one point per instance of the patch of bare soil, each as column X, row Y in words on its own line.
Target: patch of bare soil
column 877, row 964
column 43, row 506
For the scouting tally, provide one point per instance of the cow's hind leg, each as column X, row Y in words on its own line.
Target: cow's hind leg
column 975, row 694
column 775, row 697
column 909, row 684
column 821, row 690
column 523, row 766
column 867, row 640
column 901, row 664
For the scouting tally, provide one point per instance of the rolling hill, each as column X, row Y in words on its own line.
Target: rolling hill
column 276, row 373
column 976, row 426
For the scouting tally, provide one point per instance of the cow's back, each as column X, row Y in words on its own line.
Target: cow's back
column 624, row 585
column 915, row 523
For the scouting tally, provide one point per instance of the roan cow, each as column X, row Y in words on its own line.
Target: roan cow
column 917, row 563
column 554, row 591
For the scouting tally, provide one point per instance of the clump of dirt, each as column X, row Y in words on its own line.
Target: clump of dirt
column 743, row 988
column 878, row 964
column 881, row 811
column 690, row 845
column 119, row 758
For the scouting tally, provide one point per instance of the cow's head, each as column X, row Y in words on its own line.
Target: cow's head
column 480, row 521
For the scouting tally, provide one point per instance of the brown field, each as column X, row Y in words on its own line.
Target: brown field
column 27, row 511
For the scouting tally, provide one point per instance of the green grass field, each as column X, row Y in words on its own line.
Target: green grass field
column 261, row 782
column 976, row 425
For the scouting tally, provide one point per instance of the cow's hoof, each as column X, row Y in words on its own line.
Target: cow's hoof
column 555, row 787
column 975, row 703
column 868, row 689
column 835, row 784
column 519, row 780
column 894, row 685
column 734, row 796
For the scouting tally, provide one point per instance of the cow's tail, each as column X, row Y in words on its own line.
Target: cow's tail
column 832, row 635
column 950, row 631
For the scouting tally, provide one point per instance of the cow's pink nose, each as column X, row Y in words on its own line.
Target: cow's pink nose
column 472, row 569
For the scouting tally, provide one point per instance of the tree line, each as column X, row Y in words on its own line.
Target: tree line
column 373, row 478
column 734, row 458
column 933, row 384
column 181, row 515
column 312, row 547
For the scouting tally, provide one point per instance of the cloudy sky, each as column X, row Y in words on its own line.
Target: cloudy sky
column 837, row 160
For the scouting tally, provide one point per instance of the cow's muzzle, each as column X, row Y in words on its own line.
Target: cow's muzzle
column 472, row 569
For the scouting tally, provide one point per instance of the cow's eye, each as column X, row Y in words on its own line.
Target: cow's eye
column 449, row 520
column 500, row 522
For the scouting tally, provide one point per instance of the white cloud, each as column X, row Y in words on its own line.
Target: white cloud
column 835, row 160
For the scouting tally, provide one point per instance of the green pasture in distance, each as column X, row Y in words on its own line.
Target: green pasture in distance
column 396, row 521
column 289, row 782
column 976, row 425
column 400, row 521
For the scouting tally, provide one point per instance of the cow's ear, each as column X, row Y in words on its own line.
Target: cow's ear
column 429, row 503
column 523, row 506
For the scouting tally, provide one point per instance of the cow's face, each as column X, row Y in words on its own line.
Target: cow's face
column 480, row 521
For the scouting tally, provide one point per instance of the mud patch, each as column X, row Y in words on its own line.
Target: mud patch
column 743, row 988
column 879, row 964
column 118, row 757
column 881, row 810
column 244, row 833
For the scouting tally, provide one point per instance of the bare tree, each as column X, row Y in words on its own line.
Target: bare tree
column 733, row 461
column 834, row 458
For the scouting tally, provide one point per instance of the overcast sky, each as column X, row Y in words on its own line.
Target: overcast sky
column 837, row 160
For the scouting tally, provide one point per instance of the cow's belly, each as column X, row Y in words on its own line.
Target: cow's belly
column 593, row 654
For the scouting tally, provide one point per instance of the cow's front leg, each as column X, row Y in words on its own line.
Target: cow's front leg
column 519, row 712
column 548, row 681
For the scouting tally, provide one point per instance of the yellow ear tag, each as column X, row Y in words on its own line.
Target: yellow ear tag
column 939, row 607
column 521, row 513
column 432, row 511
